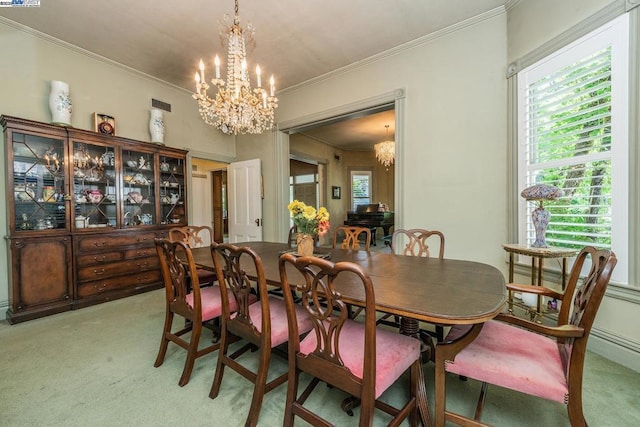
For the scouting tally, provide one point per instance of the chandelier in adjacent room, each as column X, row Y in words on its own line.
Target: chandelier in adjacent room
column 385, row 150
column 236, row 107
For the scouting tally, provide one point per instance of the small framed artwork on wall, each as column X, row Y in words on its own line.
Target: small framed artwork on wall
column 103, row 123
column 335, row 192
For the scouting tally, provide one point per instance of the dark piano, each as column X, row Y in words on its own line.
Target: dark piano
column 371, row 216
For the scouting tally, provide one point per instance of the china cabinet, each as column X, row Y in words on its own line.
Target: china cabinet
column 82, row 213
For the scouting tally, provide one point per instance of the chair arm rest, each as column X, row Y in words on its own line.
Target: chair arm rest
column 538, row 290
column 564, row 331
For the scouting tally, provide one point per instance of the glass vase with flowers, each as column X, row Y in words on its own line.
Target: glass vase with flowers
column 310, row 222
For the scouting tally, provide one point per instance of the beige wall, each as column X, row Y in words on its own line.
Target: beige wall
column 453, row 162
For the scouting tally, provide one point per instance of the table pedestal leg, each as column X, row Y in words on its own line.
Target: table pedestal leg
column 411, row 327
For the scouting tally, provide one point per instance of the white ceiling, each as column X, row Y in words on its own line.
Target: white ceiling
column 296, row 40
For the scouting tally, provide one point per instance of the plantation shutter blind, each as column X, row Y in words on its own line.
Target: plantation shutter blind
column 573, row 133
column 568, row 145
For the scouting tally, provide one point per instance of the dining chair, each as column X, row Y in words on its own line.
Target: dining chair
column 195, row 304
column 352, row 241
column 196, row 237
column 352, row 236
column 532, row 358
column 416, row 243
column 262, row 324
column 355, row 357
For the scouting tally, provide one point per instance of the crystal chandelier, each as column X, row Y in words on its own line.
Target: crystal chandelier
column 386, row 151
column 236, row 108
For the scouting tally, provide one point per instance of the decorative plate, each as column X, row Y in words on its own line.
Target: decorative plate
column 106, row 128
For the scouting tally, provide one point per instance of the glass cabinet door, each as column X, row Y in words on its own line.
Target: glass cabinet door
column 94, row 186
column 172, row 190
column 139, row 204
column 39, row 182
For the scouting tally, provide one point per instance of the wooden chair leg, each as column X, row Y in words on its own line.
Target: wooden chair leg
column 259, row 388
column 192, row 354
column 481, row 399
column 222, row 355
column 164, row 343
column 574, row 410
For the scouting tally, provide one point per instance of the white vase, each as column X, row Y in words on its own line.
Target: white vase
column 156, row 126
column 60, row 103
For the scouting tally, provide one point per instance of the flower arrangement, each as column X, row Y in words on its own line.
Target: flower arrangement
column 307, row 219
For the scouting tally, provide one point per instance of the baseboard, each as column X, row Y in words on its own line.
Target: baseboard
column 615, row 348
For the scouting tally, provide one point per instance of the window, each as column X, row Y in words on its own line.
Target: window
column 573, row 134
column 360, row 188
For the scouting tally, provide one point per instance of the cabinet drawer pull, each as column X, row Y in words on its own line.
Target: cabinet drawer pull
column 142, row 253
column 145, row 277
column 144, row 264
column 144, row 239
column 100, row 259
column 99, row 272
column 98, row 244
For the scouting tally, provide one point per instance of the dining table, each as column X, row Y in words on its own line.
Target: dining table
column 438, row 291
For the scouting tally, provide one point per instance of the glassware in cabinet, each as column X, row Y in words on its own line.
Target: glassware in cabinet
column 94, row 186
column 39, row 182
column 138, row 176
column 172, row 190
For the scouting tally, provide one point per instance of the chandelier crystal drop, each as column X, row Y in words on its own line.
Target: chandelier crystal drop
column 385, row 151
column 236, row 108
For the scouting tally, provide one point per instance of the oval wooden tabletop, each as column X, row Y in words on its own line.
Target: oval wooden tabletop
column 429, row 289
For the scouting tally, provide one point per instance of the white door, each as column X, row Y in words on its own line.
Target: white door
column 245, row 201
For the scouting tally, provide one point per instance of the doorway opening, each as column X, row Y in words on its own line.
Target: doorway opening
column 209, row 197
column 389, row 180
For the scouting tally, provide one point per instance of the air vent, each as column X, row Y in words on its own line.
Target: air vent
column 161, row 105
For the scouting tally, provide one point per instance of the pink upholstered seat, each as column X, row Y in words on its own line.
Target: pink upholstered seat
column 354, row 357
column 262, row 324
column 533, row 366
column 212, row 302
column 394, row 352
column 532, row 358
column 278, row 320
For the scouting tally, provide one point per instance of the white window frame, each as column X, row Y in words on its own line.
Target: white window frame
column 360, row 172
column 616, row 34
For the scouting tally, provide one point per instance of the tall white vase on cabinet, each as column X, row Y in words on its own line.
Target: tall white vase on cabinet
column 60, row 103
column 156, row 126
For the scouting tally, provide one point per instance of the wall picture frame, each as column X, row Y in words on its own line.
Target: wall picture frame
column 104, row 123
column 336, row 192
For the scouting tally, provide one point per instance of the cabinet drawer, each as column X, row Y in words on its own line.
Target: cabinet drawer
column 108, row 241
column 98, row 258
column 95, row 287
column 148, row 251
column 96, row 272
